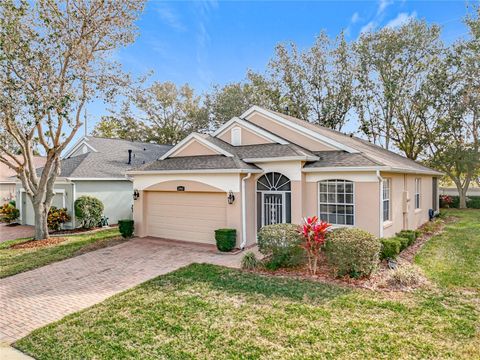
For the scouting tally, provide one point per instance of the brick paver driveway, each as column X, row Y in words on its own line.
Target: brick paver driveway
column 35, row 298
column 15, row 232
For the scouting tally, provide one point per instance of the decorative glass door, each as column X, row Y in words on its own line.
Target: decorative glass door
column 273, row 208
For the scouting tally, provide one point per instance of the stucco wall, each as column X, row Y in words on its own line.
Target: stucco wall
column 194, row 148
column 117, row 197
column 289, row 134
column 404, row 215
column 7, row 192
column 247, row 136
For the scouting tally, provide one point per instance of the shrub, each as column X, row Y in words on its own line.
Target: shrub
column 57, row 217
column 404, row 242
column 390, row 248
column 405, row 276
column 280, row 243
column 411, row 235
column 352, row 251
column 446, row 201
column 126, row 228
column 313, row 234
column 250, row 261
column 9, row 213
column 226, row 239
column 88, row 210
column 473, row 202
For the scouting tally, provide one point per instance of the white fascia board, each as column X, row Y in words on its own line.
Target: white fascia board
column 198, row 171
column 259, row 131
column 300, row 129
column 82, row 141
column 412, row 171
column 95, row 179
column 282, row 158
column 371, row 168
column 199, row 138
column 344, row 168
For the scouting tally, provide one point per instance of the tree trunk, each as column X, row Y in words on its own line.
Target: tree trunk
column 41, row 209
column 462, row 196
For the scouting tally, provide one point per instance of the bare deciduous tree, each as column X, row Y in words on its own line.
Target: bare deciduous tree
column 53, row 61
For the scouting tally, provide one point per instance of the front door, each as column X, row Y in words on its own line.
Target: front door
column 273, row 200
column 273, row 208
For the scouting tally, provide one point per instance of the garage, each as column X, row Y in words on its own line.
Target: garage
column 186, row 216
column 28, row 215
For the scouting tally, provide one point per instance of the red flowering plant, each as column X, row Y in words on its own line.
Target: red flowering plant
column 446, row 201
column 314, row 232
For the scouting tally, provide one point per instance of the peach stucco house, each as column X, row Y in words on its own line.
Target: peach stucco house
column 265, row 167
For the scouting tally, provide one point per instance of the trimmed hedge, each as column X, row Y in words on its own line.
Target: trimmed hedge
column 411, row 235
column 226, row 239
column 390, row 248
column 126, row 227
column 473, row 202
column 352, row 251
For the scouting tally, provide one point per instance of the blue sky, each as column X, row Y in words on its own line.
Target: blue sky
column 215, row 42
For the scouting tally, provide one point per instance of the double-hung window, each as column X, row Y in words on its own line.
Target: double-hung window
column 386, row 199
column 336, row 202
column 418, row 190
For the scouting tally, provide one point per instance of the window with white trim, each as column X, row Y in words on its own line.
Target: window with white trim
column 336, row 202
column 418, row 190
column 386, row 199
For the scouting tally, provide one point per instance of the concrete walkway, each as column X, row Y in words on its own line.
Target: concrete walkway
column 35, row 298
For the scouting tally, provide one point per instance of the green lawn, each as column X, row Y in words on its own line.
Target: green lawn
column 453, row 258
column 14, row 261
column 205, row 311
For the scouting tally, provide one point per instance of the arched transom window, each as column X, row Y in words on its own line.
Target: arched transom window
column 337, row 202
column 273, row 182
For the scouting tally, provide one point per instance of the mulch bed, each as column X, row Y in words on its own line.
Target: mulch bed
column 33, row 244
column 375, row 282
column 79, row 230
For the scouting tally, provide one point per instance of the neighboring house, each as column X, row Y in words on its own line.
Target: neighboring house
column 96, row 167
column 265, row 168
column 473, row 190
column 8, row 179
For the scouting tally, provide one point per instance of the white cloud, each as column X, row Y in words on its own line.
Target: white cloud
column 355, row 18
column 402, row 18
column 368, row 27
column 169, row 17
column 382, row 5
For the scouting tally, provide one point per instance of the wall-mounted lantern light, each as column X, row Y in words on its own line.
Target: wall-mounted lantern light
column 231, row 197
column 136, row 194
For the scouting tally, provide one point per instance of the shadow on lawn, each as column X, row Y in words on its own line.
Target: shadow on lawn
column 240, row 282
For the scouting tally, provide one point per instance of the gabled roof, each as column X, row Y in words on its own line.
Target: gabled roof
column 377, row 154
column 110, row 158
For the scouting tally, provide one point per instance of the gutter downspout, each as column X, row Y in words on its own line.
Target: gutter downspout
column 380, row 181
column 244, row 213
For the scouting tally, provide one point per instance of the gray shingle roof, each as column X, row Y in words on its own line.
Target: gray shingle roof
column 111, row 158
column 340, row 159
column 209, row 162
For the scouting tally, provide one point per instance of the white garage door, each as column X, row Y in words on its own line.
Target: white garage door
column 29, row 214
column 185, row 216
